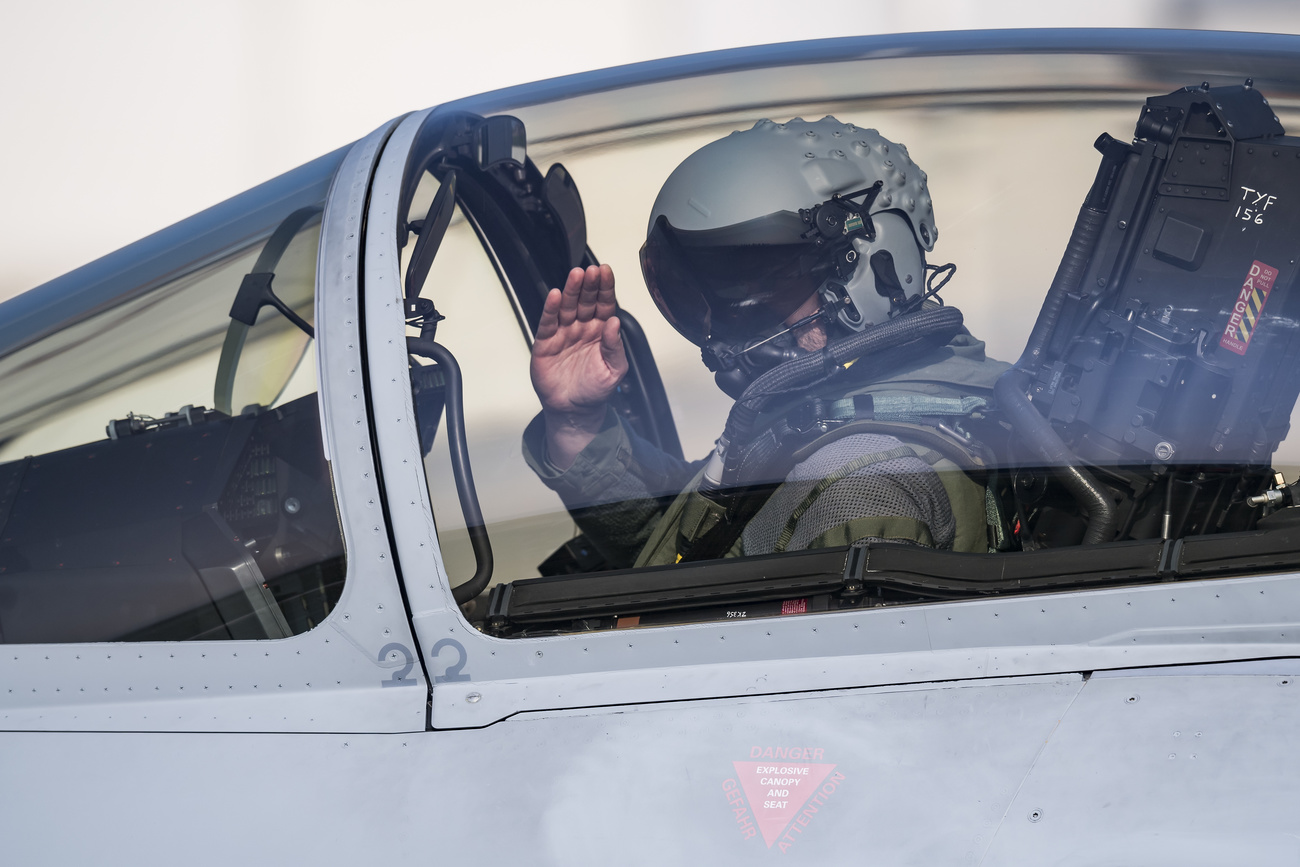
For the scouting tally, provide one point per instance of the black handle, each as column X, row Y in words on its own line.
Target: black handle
column 460, row 468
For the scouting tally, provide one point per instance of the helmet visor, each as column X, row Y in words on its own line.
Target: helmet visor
column 731, row 283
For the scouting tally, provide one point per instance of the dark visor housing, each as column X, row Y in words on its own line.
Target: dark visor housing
column 735, row 282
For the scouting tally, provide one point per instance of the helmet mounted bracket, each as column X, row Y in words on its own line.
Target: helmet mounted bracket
column 839, row 219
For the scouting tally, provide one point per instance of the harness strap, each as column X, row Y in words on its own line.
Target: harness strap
column 930, row 457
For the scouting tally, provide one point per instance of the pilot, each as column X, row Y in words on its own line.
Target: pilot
column 793, row 255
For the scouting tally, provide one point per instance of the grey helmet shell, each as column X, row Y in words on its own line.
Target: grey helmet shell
column 784, row 167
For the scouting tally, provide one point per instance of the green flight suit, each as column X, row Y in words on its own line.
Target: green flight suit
column 630, row 499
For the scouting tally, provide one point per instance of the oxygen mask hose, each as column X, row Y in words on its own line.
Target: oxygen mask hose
column 902, row 337
column 1037, row 432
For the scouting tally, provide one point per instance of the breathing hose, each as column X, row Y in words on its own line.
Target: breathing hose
column 923, row 330
column 1037, row 431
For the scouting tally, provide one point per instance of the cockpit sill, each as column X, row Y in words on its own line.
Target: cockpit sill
column 870, row 576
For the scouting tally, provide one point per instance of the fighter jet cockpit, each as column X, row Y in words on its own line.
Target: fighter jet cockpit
column 836, row 361
column 671, row 365
column 161, row 460
column 772, row 449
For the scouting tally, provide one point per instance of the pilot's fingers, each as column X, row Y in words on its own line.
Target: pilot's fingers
column 611, row 346
column 569, row 299
column 591, row 285
column 606, row 303
column 550, row 320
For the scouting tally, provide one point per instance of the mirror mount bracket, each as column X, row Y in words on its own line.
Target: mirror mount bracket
column 421, row 314
column 254, row 293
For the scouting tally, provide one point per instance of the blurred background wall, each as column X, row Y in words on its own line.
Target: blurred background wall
column 121, row 118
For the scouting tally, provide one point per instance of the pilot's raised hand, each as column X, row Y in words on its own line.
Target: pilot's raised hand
column 577, row 361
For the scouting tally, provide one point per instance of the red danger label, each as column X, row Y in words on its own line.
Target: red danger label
column 1249, row 307
column 779, row 796
column 794, row 606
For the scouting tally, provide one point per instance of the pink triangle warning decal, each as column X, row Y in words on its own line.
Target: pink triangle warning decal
column 778, row 790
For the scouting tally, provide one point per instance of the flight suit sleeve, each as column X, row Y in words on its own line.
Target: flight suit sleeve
column 617, row 488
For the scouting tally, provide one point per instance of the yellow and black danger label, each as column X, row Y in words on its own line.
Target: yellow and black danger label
column 1249, row 307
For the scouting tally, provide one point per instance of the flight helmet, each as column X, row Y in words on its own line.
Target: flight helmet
column 750, row 226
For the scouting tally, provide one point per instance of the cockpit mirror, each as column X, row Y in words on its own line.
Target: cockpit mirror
column 431, row 230
column 501, row 139
column 561, row 193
